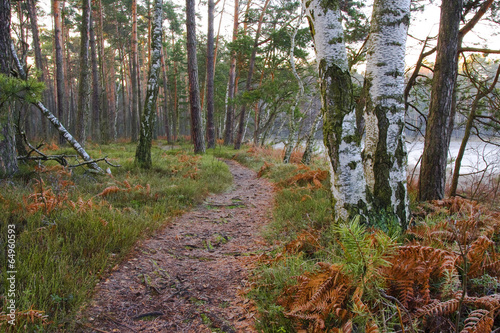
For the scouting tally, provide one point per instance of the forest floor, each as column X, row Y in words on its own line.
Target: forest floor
column 191, row 276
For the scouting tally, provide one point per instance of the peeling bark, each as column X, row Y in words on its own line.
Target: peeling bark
column 341, row 134
column 143, row 152
column 384, row 154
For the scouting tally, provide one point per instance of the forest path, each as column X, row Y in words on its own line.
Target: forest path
column 187, row 278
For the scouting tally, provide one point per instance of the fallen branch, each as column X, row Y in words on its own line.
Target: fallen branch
column 55, row 122
column 61, row 159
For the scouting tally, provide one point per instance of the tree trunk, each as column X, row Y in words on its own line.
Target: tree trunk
column 39, row 59
column 468, row 129
column 341, row 135
column 96, row 103
column 210, row 76
column 134, row 63
column 248, row 85
column 165, row 99
column 55, row 122
column 8, row 159
column 228, row 133
column 56, row 12
column 194, row 90
column 432, row 180
column 306, row 158
column 292, row 124
column 143, row 152
column 384, row 154
column 84, row 86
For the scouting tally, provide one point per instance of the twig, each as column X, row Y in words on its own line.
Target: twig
column 119, row 323
column 148, row 314
column 394, row 299
column 92, row 328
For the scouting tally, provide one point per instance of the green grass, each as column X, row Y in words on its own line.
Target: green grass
column 62, row 252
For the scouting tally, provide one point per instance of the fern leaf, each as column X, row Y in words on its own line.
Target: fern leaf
column 439, row 309
column 479, row 321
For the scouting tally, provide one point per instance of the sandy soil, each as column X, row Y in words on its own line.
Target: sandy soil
column 190, row 276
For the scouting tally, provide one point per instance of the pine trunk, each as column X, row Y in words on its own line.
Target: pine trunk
column 165, row 99
column 194, row 90
column 248, row 85
column 8, row 160
column 56, row 12
column 96, row 103
column 134, row 64
column 143, row 152
column 433, row 168
column 210, row 76
column 84, row 86
column 228, row 133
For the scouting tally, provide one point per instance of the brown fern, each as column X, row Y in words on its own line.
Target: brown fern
column 439, row 309
column 478, row 321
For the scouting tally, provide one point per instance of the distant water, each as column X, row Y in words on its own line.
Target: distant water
column 477, row 157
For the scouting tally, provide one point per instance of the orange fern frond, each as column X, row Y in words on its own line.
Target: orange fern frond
column 109, row 190
column 478, row 321
column 371, row 327
column 439, row 309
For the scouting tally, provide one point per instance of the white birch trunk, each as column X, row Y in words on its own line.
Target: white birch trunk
column 143, row 152
column 384, row 154
column 341, row 134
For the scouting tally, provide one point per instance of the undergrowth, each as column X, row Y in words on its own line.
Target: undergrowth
column 71, row 226
column 441, row 275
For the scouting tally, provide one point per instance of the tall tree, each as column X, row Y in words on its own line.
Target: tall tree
column 165, row 99
column 134, row 76
column 194, row 90
column 248, row 84
column 95, row 100
column 384, row 154
column 340, row 132
column 433, row 167
column 59, row 59
column 143, row 152
column 210, row 76
column 228, row 132
column 84, row 84
column 8, row 160
column 40, row 61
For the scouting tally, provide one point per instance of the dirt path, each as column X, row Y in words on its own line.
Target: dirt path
column 187, row 277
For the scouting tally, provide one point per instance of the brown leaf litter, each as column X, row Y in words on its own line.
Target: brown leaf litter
column 192, row 275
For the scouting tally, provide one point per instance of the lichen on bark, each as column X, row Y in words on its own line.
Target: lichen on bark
column 384, row 153
column 143, row 151
column 341, row 134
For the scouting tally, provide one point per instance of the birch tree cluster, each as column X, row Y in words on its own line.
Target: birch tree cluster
column 260, row 72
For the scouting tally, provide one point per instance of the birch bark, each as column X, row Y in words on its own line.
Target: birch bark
column 384, row 155
column 341, row 135
column 143, row 152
